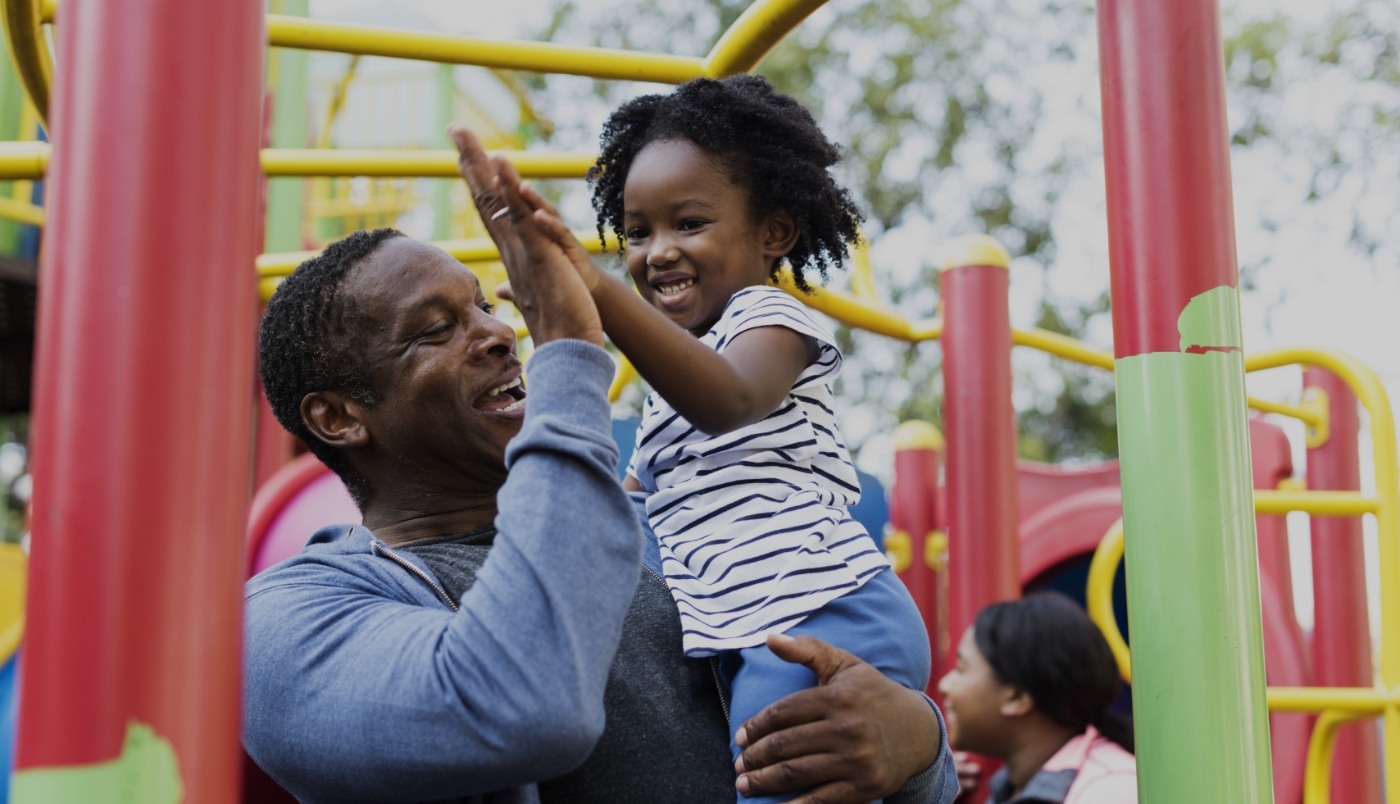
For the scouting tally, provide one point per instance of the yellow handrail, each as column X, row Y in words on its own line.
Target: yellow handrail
column 30, row 160
column 1317, row 772
column 757, row 31
column 1098, row 597
column 411, row 163
column 30, row 51
column 542, row 57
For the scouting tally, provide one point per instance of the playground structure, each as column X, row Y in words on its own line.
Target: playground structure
column 160, row 612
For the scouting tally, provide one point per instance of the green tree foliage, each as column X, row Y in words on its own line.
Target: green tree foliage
column 981, row 116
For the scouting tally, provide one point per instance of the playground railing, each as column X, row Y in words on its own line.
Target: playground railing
column 742, row 46
column 1336, row 706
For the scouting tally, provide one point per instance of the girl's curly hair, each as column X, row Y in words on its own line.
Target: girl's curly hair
column 770, row 146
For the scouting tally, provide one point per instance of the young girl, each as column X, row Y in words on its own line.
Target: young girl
column 748, row 480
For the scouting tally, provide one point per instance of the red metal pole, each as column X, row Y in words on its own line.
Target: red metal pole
column 1341, row 644
column 918, row 546
column 980, row 425
column 142, row 423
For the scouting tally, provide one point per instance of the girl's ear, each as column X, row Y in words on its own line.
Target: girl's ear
column 779, row 234
column 1018, row 703
column 335, row 418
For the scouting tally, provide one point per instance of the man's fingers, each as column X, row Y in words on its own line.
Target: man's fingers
column 476, row 167
column 807, row 706
column 504, row 292
column 820, row 657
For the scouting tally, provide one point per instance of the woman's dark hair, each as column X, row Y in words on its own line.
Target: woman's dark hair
column 1048, row 647
column 768, row 143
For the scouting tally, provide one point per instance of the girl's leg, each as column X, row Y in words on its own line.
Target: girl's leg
column 757, row 677
column 878, row 623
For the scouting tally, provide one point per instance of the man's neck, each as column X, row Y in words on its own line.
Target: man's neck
column 403, row 526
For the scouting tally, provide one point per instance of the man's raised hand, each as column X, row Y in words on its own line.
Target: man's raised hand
column 546, row 286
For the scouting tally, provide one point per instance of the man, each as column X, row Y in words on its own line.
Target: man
column 457, row 646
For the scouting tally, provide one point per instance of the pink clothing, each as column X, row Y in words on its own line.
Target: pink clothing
column 1089, row 769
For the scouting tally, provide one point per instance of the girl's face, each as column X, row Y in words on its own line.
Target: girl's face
column 691, row 241
column 975, row 701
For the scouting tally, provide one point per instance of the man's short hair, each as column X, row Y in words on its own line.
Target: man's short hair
column 312, row 340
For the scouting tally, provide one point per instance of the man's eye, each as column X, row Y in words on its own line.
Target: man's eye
column 436, row 330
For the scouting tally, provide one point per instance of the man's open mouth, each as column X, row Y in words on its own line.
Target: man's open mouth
column 506, row 398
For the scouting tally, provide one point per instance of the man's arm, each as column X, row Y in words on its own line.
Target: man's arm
column 357, row 693
column 855, row 737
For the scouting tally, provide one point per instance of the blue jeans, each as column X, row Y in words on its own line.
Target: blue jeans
column 878, row 623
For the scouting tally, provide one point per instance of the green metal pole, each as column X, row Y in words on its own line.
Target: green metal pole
column 442, row 189
column 1193, row 576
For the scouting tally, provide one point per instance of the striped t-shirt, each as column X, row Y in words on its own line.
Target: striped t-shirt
column 753, row 524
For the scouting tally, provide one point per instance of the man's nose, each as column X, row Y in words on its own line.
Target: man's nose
column 491, row 336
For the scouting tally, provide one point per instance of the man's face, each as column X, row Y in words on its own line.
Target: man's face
column 449, row 386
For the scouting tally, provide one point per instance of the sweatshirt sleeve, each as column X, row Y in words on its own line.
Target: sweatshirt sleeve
column 358, row 694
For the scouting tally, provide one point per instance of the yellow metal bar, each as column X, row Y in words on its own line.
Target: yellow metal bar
column 862, row 280
column 10, row 637
column 30, row 52
column 626, row 374
column 432, row 163
column 862, row 314
column 29, row 160
column 346, row 208
column 1303, row 413
column 1319, row 503
column 476, row 249
column 1062, row 346
column 21, row 211
column 543, row 57
column 761, row 27
column 1369, row 391
column 1099, row 596
column 1317, row 773
column 1070, row 349
column 1360, row 701
column 23, row 160
column 23, row 190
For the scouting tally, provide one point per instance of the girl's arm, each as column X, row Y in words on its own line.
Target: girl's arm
column 718, row 393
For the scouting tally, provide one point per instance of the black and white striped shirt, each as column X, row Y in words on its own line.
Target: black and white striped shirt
column 753, row 524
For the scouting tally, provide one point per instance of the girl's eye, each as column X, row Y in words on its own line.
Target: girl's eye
column 635, row 235
column 690, row 224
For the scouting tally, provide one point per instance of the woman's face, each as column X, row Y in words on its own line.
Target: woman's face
column 974, row 701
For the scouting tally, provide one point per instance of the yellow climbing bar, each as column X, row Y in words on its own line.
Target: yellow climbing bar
column 30, row 160
column 542, row 57
column 428, row 163
column 757, row 31
column 29, row 50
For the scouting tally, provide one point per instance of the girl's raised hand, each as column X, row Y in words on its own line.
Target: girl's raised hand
column 552, row 223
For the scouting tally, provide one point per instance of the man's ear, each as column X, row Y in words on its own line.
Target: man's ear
column 779, row 234
column 1017, row 704
column 335, row 418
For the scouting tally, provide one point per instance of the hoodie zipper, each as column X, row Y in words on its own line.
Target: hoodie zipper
column 384, row 550
column 714, row 663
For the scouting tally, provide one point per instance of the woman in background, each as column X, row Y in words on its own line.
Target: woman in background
column 1032, row 687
